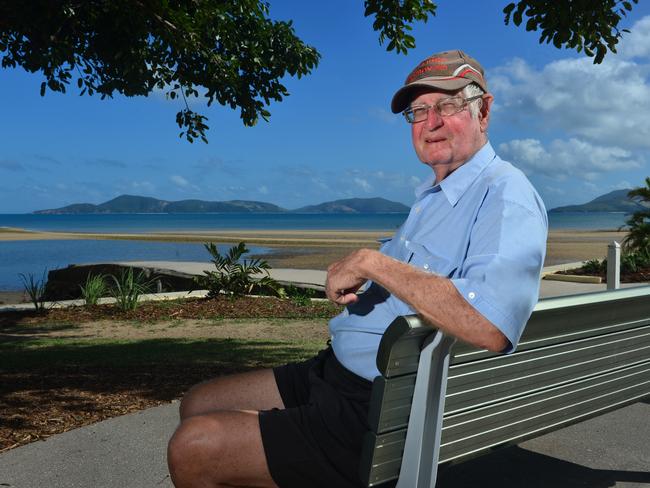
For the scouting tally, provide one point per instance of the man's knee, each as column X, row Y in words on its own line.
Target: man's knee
column 190, row 402
column 194, row 449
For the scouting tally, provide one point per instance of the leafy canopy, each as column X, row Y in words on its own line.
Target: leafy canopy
column 230, row 51
column 591, row 25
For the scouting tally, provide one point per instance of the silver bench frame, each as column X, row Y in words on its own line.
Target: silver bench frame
column 580, row 356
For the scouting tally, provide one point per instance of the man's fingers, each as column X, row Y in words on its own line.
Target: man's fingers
column 347, row 299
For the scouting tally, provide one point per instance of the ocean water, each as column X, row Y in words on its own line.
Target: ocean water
column 38, row 257
column 35, row 257
column 142, row 223
column 139, row 223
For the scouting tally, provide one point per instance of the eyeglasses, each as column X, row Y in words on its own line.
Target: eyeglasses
column 444, row 107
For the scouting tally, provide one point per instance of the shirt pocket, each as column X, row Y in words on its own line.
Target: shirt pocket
column 427, row 259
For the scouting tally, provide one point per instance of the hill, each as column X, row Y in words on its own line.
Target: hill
column 356, row 205
column 137, row 204
column 615, row 201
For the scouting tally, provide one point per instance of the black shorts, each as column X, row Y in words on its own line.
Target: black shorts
column 316, row 440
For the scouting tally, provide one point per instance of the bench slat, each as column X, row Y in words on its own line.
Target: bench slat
column 390, row 406
column 562, row 319
column 579, row 357
column 384, row 457
column 525, row 417
column 463, row 435
column 474, row 384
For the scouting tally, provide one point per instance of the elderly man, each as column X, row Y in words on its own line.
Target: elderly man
column 467, row 259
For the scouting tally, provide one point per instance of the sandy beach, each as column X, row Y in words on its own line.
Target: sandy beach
column 315, row 249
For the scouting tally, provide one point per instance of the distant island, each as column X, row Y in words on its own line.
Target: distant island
column 615, row 201
column 129, row 204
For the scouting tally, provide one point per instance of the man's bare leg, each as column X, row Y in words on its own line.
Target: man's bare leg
column 218, row 443
column 218, row 450
column 255, row 390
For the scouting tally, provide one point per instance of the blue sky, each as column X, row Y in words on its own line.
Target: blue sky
column 576, row 129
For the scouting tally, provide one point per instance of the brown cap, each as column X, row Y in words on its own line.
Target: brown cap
column 447, row 71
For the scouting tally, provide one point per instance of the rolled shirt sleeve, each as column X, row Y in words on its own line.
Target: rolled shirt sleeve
column 500, row 275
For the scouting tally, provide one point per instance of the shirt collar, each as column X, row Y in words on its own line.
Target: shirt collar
column 455, row 185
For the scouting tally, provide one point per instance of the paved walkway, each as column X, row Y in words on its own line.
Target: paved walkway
column 129, row 451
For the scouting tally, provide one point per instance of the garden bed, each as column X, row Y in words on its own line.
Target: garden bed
column 66, row 368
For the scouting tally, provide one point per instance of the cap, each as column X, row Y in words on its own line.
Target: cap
column 447, row 71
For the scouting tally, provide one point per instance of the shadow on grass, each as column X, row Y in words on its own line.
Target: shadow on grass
column 81, row 375
column 21, row 334
column 516, row 467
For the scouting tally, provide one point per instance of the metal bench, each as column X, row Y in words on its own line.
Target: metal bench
column 579, row 357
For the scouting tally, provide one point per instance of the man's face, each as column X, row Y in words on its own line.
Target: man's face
column 445, row 143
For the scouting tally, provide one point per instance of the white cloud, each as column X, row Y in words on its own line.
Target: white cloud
column 179, row 181
column 363, row 184
column 564, row 158
column 183, row 183
column 622, row 185
column 636, row 43
column 394, row 181
column 553, row 190
column 145, row 186
column 320, row 183
column 605, row 104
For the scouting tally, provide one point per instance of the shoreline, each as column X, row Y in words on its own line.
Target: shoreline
column 316, row 249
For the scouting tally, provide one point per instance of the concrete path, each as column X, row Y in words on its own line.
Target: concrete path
column 129, row 452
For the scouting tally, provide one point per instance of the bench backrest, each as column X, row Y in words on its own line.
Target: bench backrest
column 580, row 356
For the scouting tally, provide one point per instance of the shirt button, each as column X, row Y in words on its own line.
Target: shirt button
column 401, row 238
column 426, row 266
column 406, row 242
column 471, row 295
column 417, row 209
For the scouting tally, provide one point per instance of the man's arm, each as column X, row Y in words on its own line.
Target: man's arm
column 434, row 297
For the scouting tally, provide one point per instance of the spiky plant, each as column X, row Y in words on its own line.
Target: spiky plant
column 638, row 237
column 235, row 276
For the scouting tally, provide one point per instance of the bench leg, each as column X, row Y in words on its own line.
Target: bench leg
column 420, row 459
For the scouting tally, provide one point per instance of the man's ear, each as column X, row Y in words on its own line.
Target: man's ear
column 484, row 112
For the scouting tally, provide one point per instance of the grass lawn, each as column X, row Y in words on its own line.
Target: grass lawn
column 60, row 370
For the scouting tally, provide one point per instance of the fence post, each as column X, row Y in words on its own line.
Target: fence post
column 613, row 266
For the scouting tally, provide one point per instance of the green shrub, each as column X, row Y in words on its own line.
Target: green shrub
column 299, row 296
column 638, row 225
column 127, row 288
column 94, row 288
column 595, row 266
column 234, row 276
column 632, row 262
column 35, row 289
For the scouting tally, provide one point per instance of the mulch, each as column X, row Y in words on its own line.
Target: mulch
column 193, row 308
column 37, row 403
column 641, row 276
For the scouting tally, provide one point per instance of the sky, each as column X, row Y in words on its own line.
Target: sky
column 576, row 129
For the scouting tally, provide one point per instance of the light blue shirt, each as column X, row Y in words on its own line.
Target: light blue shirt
column 484, row 227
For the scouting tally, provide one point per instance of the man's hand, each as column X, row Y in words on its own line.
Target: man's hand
column 346, row 276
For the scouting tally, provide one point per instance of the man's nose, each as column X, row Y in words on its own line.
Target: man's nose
column 434, row 119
